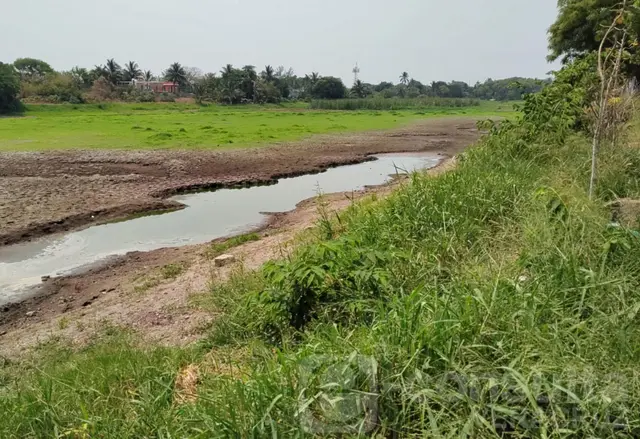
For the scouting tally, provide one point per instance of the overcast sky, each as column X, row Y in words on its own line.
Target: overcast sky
column 465, row 40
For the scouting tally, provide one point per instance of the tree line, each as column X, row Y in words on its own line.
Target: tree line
column 35, row 80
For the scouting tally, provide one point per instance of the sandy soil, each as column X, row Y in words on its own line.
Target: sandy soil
column 130, row 291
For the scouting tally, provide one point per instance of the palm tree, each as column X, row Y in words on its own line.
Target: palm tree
column 176, row 74
column 358, row 90
column 267, row 74
column 250, row 71
column 132, row 71
column 227, row 70
column 113, row 71
column 404, row 78
column 147, row 76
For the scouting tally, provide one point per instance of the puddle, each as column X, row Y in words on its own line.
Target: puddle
column 209, row 215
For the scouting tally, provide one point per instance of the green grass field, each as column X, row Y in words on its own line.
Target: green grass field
column 175, row 125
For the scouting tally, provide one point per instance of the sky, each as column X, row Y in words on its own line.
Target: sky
column 467, row 40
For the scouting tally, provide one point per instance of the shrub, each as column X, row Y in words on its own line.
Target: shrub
column 53, row 88
column 329, row 87
column 9, row 90
column 101, row 90
column 137, row 95
column 166, row 97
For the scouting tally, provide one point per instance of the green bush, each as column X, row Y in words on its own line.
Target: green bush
column 329, row 87
column 136, row 95
column 53, row 88
column 9, row 90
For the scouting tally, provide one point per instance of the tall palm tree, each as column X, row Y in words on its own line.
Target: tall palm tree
column 176, row 74
column 358, row 90
column 404, row 78
column 132, row 71
column 312, row 78
column 227, row 70
column 113, row 71
column 267, row 74
column 250, row 72
column 147, row 76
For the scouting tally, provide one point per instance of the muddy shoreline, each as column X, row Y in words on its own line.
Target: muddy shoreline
column 53, row 192
column 108, row 289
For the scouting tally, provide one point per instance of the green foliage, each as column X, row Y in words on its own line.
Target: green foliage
column 9, row 90
column 53, row 88
column 31, row 68
column 360, row 90
column 561, row 106
column 219, row 248
column 329, row 87
column 131, row 71
column 580, row 25
column 381, row 104
column 176, row 74
column 509, row 89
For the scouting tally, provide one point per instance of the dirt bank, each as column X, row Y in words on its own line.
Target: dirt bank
column 48, row 192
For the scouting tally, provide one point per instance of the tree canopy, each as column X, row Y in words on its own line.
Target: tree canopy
column 31, row 67
column 580, row 26
column 9, row 90
column 329, row 87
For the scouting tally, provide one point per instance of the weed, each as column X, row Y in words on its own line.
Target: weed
column 218, row 248
column 171, row 271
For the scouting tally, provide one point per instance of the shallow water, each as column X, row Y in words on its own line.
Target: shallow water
column 208, row 215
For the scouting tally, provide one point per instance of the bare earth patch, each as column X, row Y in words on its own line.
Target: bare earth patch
column 149, row 292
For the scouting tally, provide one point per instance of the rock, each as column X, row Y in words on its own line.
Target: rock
column 223, row 260
column 45, row 278
column 3, row 333
column 30, row 314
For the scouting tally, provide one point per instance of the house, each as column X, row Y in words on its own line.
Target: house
column 157, row 86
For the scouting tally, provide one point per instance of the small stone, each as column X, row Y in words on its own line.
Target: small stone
column 30, row 314
column 223, row 260
column 45, row 278
column 3, row 333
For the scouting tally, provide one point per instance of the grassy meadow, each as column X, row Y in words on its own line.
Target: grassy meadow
column 181, row 125
column 495, row 300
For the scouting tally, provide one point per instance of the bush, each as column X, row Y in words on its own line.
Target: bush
column 101, row 90
column 329, row 87
column 166, row 97
column 53, row 88
column 137, row 95
column 9, row 90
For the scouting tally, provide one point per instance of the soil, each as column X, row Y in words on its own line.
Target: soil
column 47, row 192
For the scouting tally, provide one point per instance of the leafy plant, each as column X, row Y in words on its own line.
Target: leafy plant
column 9, row 90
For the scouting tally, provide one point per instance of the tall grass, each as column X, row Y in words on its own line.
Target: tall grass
column 392, row 104
column 492, row 301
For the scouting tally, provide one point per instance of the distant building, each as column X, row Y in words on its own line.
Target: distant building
column 157, row 86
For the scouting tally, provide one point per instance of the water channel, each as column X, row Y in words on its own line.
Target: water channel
column 208, row 215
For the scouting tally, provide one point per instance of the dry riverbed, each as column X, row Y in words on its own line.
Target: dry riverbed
column 50, row 192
